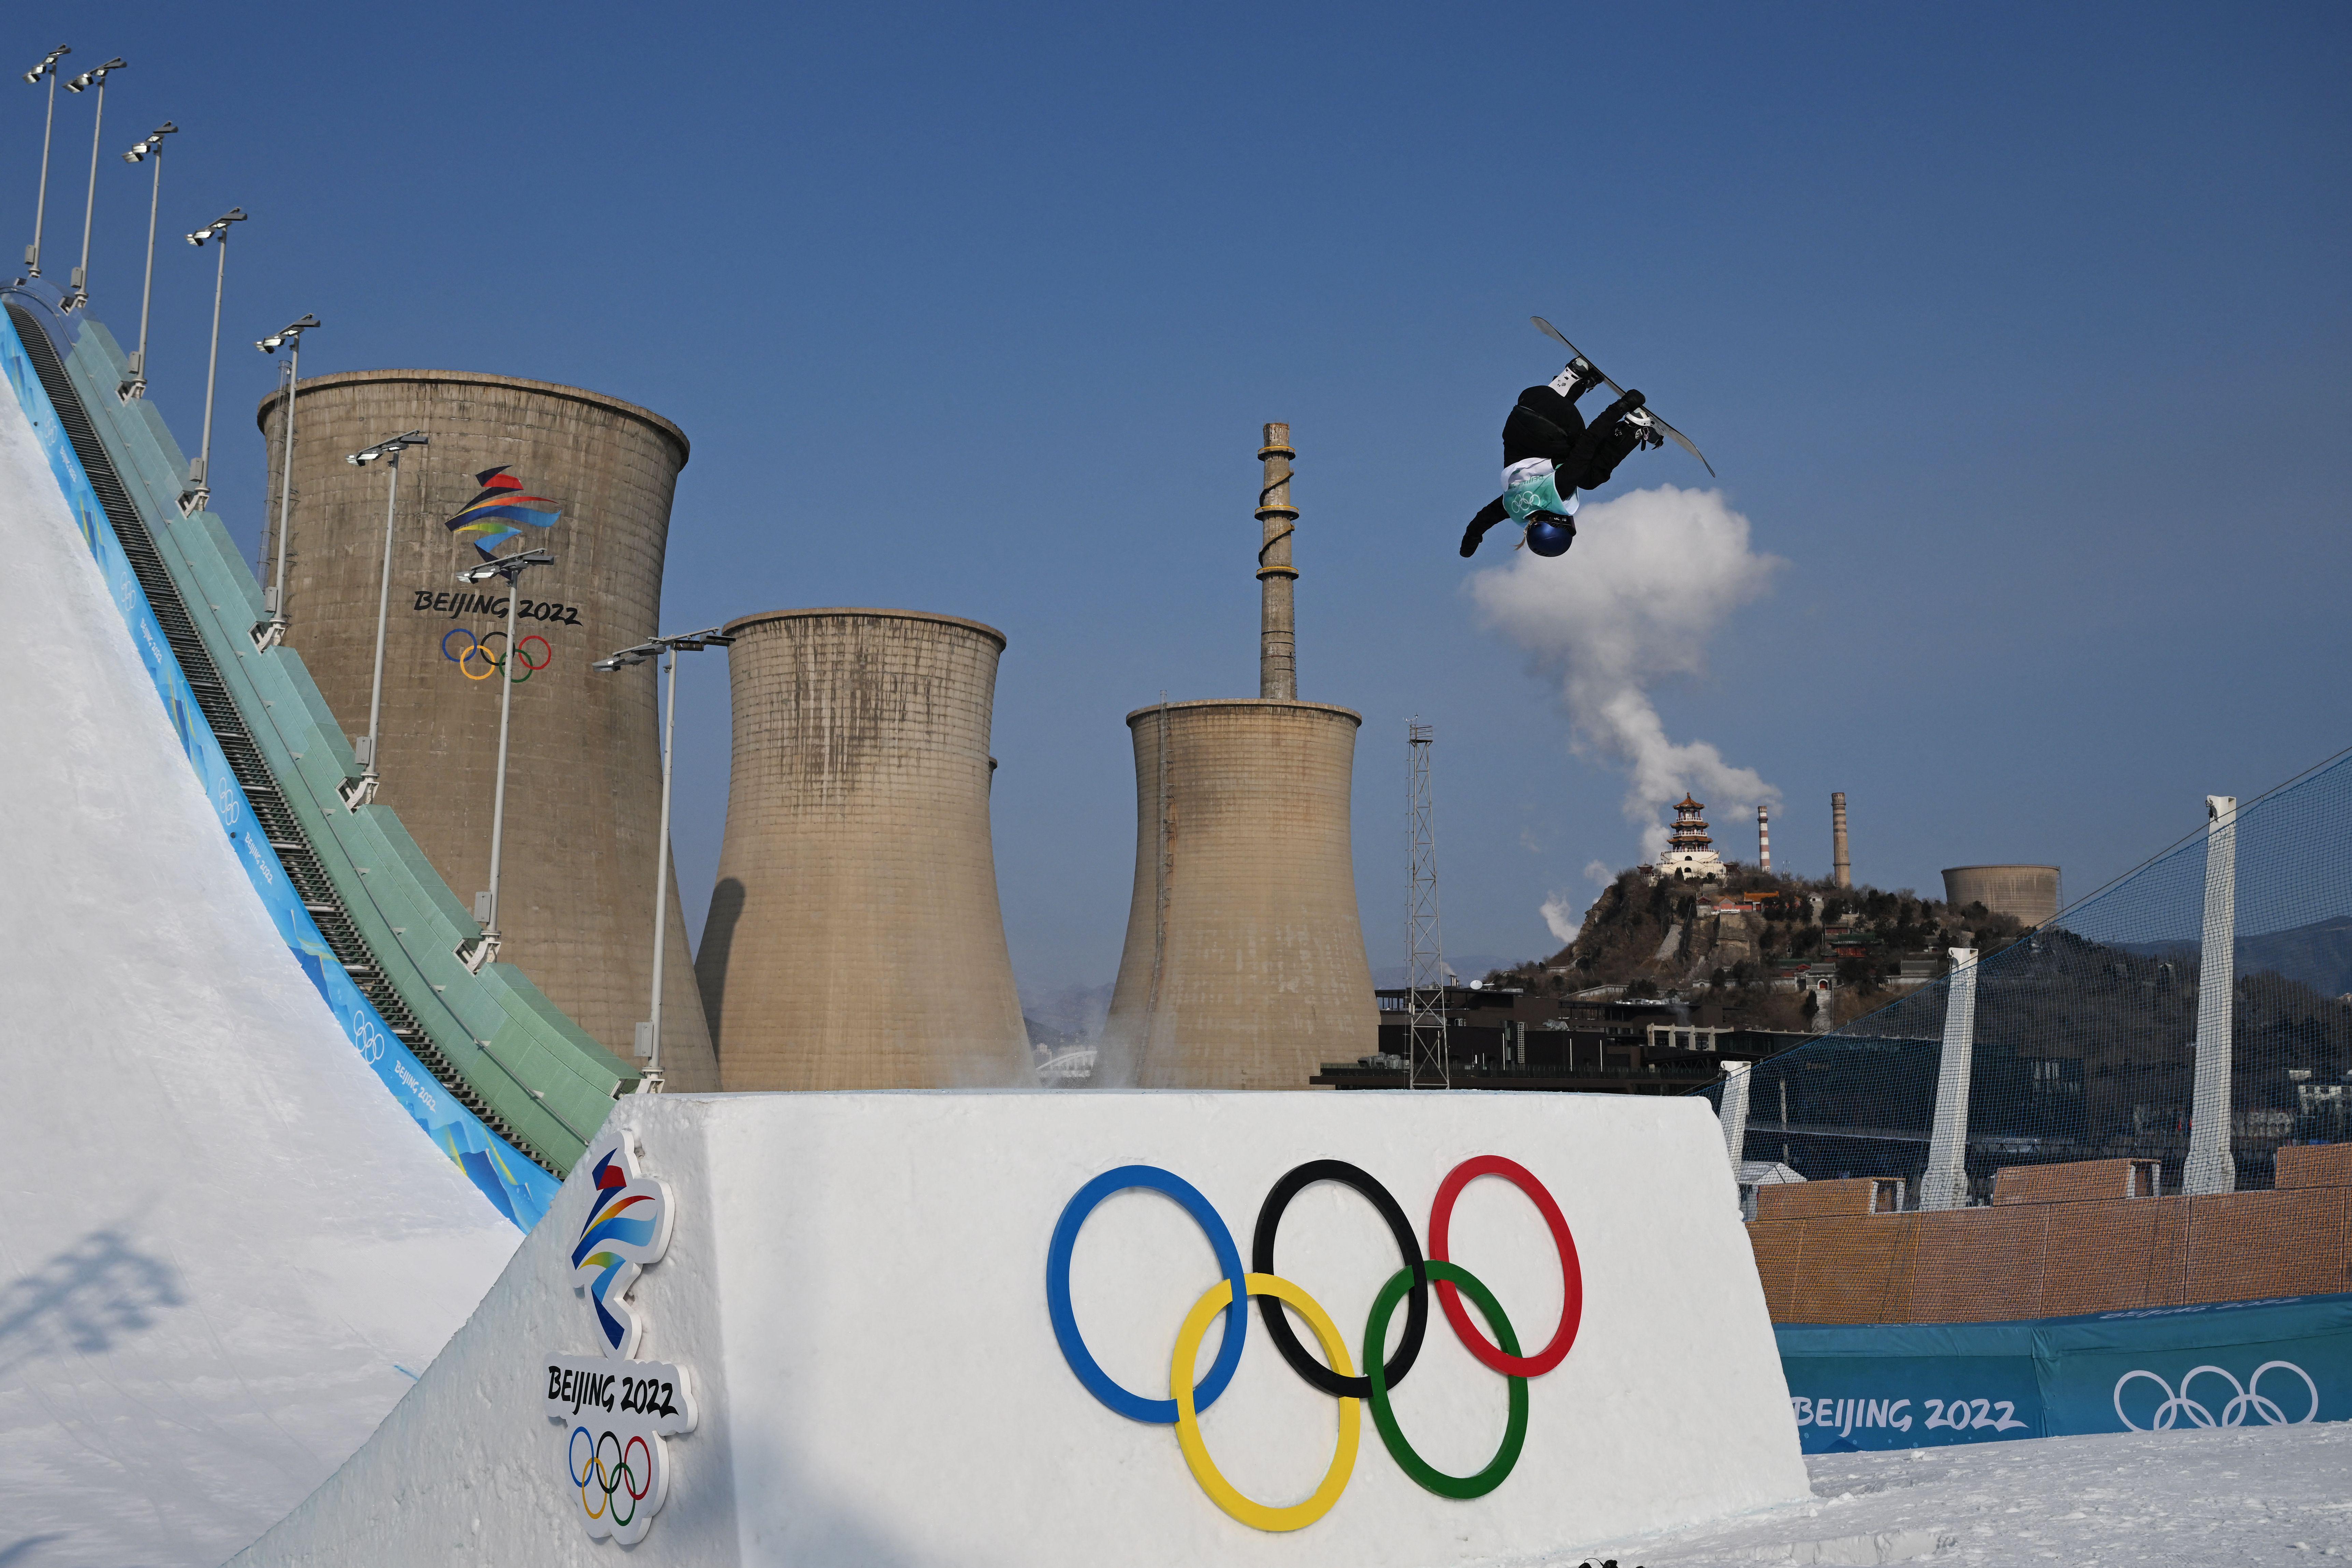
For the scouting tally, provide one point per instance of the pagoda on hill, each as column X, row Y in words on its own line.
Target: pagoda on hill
column 1690, row 854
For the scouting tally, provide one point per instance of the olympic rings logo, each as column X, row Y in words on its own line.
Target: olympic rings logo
column 628, row 1477
column 1336, row 1375
column 2245, row 1397
column 478, row 647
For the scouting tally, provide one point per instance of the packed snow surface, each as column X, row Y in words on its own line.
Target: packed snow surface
column 2210, row 1498
column 225, row 1251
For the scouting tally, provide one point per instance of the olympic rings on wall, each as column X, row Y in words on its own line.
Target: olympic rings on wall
column 614, row 1482
column 1572, row 1273
column 479, row 648
column 1224, row 1493
column 1157, row 1411
column 1277, row 1326
column 2248, row 1397
column 1338, row 1378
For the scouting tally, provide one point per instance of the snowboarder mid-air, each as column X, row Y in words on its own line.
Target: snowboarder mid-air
column 1549, row 453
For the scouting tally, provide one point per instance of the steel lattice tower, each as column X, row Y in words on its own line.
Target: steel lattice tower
column 1426, row 1065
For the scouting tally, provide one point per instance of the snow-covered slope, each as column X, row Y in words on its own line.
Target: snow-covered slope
column 2227, row 1498
column 224, row 1250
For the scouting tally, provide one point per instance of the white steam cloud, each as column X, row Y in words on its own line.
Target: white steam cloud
column 1654, row 574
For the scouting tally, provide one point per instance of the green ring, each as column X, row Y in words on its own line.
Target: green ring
column 1376, row 1339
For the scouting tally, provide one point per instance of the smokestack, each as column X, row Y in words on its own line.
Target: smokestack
column 1764, row 837
column 1278, row 639
column 1841, row 871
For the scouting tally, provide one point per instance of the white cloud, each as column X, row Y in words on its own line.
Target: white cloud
column 1560, row 915
column 1599, row 872
column 1654, row 573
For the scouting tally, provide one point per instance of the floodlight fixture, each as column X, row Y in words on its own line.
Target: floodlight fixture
column 392, row 448
column 217, row 228
column 477, row 950
column 649, row 1033
column 135, row 374
column 95, row 76
column 152, row 143
column 78, row 290
column 290, row 334
column 48, row 67
column 196, row 492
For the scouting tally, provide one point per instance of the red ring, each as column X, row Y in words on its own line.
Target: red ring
column 1572, row 1273
column 637, row 1442
column 525, row 658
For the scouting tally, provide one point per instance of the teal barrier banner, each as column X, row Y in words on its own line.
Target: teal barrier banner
column 2280, row 1362
column 517, row 1187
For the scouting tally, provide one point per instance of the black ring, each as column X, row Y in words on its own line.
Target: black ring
column 1277, row 1326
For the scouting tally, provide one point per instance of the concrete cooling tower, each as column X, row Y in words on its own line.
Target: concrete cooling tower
column 2028, row 892
column 1245, row 965
column 584, row 783
column 855, row 939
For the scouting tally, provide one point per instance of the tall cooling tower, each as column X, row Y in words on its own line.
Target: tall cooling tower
column 855, row 939
column 583, row 780
column 2028, row 892
column 1245, row 965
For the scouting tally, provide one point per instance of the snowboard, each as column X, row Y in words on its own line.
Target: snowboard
column 1644, row 419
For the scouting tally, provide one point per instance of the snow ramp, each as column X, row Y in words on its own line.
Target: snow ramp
column 939, row 1328
column 225, row 1249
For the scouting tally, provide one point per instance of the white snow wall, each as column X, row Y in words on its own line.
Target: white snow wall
column 857, row 1283
column 220, row 1239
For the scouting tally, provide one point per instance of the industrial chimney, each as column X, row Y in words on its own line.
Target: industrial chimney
column 855, row 939
column 1840, row 870
column 584, row 779
column 1764, row 838
column 1245, row 965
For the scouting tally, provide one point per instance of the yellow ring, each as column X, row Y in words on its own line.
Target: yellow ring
column 1188, row 1426
column 470, row 653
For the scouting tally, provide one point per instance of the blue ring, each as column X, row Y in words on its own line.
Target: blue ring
column 1158, row 1411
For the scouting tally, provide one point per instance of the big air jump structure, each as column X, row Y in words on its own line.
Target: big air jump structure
column 1245, row 964
column 583, row 787
column 854, row 940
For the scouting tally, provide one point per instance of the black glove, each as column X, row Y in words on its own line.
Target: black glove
column 1489, row 516
column 1628, row 403
column 1470, row 537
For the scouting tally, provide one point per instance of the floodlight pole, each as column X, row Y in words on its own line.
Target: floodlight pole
column 272, row 630
column 48, row 67
column 651, row 1083
column 78, row 292
column 361, row 791
column 649, row 1043
column 134, row 383
column 192, row 499
column 475, row 951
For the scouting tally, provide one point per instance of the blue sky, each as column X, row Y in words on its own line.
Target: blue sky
column 2017, row 333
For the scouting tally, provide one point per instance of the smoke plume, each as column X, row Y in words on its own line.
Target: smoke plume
column 1652, row 575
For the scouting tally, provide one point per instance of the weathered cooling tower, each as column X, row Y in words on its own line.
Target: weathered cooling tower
column 583, row 781
column 854, row 940
column 2028, row 892
column 1245, row 965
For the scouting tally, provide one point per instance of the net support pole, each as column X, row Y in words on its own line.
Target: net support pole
column 2211, row 1168
column 1734, row 1113
column 1945, row 1185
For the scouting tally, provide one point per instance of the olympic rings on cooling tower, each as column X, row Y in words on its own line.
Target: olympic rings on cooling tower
column 1411, row 1284
column 621, row 1479
column 478, row 647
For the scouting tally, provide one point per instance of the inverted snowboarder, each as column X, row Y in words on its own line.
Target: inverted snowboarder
column 1549, row 453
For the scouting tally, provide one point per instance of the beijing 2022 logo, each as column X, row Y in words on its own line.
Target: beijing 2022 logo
column 616, row 1409
column 1409, row 1284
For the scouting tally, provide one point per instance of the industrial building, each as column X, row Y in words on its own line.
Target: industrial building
column 584, row 774
column 1245, row 963
column 2029, row 894
column 1507, row 1037
column 854, row 940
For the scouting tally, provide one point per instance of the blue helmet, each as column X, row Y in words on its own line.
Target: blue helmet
column 1550, row 535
